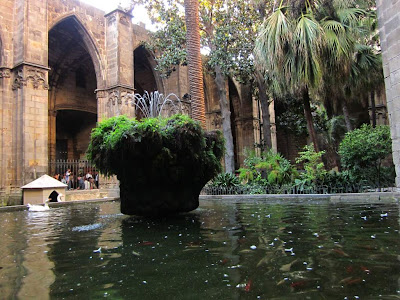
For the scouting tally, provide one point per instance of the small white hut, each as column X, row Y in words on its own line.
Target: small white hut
column 43, row 189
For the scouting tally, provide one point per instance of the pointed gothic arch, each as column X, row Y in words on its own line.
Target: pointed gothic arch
column 89, row 43
column 75, row 73
column 146, row 77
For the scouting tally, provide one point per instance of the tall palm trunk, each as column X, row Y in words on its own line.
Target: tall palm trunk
column 265, row 109
column 194, row 61
column 309, row 119
column 373, row 109
column 220, row 81
column 346, row 116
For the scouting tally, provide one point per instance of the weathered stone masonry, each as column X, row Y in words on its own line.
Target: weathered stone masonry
column 389, row 27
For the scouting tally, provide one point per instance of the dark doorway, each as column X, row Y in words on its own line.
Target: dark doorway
column 72, row 79
column 144, row 72
column 53, row 196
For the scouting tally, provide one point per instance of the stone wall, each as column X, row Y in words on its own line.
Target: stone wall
column 389, row 28
column 44, row 44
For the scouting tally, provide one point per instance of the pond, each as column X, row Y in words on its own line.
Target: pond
column 222, row 250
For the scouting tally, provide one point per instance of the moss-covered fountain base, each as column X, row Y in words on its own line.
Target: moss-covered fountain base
column 162, row 164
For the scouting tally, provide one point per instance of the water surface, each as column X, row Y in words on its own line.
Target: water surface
column 235, row 250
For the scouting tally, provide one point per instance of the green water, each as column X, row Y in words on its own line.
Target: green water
column 222, row 250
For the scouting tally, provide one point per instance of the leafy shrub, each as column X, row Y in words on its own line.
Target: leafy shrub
column 313, row 166
column 278, row 169
column 363, row 152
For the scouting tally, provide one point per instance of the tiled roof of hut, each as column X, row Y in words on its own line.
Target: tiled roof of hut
column 44, row 182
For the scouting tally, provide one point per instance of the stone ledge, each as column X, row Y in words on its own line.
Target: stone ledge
column 386, row 197
column 79, row 195
column 56, row 204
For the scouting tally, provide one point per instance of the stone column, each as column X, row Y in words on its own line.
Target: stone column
column 30, row 91
column 114, row 100
column 6, row 130
column 389, row 29
column 30, row 131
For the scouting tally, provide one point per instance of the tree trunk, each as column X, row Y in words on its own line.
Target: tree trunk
column 309, row 119
column 195, row 69
column 226, row 120
column 265, row 109
column 346, row 116
column 373, row 109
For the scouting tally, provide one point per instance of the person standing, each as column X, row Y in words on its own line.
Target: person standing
column 96, row 179
column 67, row 177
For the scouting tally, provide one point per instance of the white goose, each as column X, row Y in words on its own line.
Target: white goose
column 59, row 198
column 38, row 207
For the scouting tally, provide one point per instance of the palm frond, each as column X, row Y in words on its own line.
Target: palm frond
column 307, row 39
column 273, row 37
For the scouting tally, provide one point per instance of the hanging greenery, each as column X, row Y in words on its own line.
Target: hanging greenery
column 162, row 164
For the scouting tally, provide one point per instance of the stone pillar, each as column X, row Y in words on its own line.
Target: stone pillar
column 30, row 131
column 116, row 98
column 30, row 91
column 6, row 130
column 273, row 126
column 52, row 137
column 389, row 29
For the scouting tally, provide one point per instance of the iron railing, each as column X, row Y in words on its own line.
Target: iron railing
column 323, row 189
column 80, row 168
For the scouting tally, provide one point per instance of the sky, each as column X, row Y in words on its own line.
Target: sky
column 139, row 13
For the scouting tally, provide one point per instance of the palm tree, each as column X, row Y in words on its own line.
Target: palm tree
column 288, row 49
column 194, row 61
column 351, row 68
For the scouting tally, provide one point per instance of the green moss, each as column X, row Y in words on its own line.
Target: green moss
column 156, row 152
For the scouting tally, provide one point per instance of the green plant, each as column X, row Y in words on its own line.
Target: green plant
column 314, row 168
column 278, row 169
column 162, row 163
column 225, row 180
column 363, row 152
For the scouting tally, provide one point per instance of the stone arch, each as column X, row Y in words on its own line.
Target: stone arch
column 75, row 74
column 89, row 43
column 144, row 68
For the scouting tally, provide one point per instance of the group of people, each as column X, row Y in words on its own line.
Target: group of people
column 86, row 182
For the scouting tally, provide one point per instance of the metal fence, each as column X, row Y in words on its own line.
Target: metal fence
column 323, row 189
column 79, row 169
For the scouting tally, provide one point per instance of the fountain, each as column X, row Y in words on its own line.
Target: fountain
column 161, row 163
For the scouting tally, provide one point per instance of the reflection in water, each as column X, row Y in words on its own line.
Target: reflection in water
column 35, row 257
column 221, row 250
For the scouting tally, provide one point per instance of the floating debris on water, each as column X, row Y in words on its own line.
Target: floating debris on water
column 135, row 253
column 87, row 227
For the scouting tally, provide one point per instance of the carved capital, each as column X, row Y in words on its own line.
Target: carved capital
column 36, row 76
column 5, row 73
column 114, row 97
column 101, row 94
column 119, row 95
column 19, row 80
